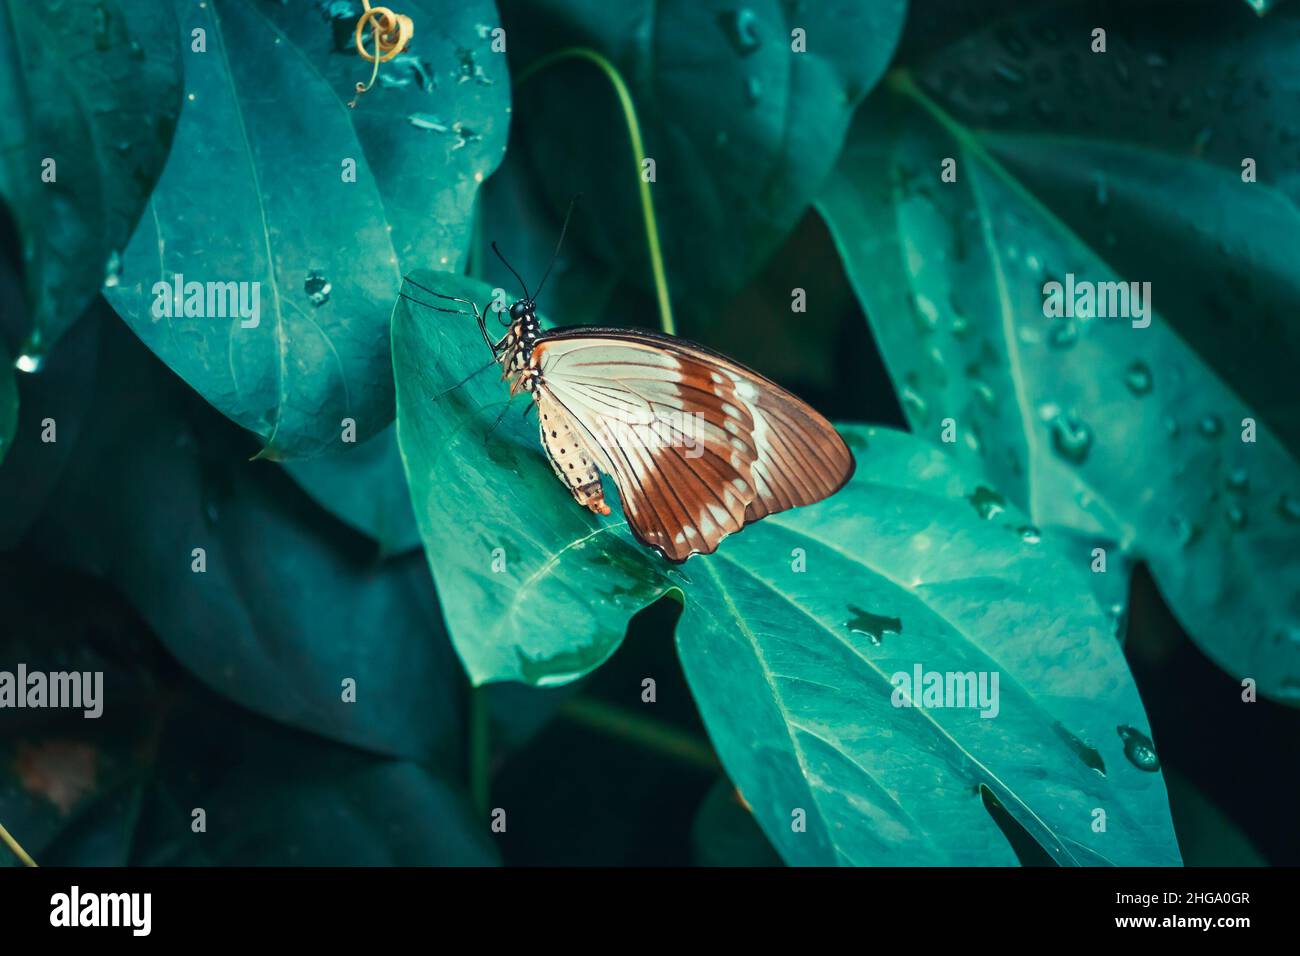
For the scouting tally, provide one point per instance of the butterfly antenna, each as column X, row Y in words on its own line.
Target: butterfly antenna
column 563, row 229
column 527, row 297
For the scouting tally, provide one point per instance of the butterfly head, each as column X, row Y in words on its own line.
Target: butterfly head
column 523, row 320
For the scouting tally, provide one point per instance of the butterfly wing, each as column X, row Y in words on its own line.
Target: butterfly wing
column 697, row 444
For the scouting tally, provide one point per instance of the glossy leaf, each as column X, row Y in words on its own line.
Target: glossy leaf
column 324, row 234
column 91, row 94
column 365, row 488
column 51, row 405
column 795, row 694
column 291, row 606
column 78, row 793
column 507, row 545
column 1134, row 439
column 742, row 129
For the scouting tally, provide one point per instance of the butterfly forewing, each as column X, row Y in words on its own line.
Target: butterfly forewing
column 698, row 445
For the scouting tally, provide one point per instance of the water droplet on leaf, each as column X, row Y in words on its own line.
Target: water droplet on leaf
column 317, row 288
column 987, row 502
column 1071, row 437
column 1138, row 748
column 1138, row 378
column 741, row 29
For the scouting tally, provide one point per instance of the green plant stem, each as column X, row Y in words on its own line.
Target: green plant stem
column 14, row 845
column 638, row 154
column 645, row 731
column 480, row 750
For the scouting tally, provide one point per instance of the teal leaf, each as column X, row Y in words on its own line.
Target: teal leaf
column 52, row 405
column 365, row 488
column 123, row 790
column 725, row 834
column 909, row 565
column 323, row 235
column 741, row 128
column 93, row 89
column 289, row 605
column 795, row 676
column 1108, row 435
column 533, row 588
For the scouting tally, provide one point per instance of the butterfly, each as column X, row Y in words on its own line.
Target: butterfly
column 697, row 444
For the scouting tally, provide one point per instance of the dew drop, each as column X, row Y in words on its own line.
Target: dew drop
column 1210, row 426
column 1030, row 534
column 987, row 502
column 1138, row 378
column 1238, row 480
column 113, row 270
column 1138, row 748
column 873, row 626
column 753, row 90
column 1172, row 428
column 741, row 29
column 1236, row 517
column 1071, row 437
column 31, row 357
column 317, row 288
column 1185, row 532
column 1288, row 508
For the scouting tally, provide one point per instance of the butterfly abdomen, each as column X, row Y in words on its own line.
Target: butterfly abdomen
column 571, row 461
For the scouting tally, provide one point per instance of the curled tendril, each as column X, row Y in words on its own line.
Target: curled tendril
column 391, row 33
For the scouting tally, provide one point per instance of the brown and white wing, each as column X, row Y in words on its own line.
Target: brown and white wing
column 676, row 447
column 697, row 444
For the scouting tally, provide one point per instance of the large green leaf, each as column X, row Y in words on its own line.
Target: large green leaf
column 122, row 791
column 94, row 88
column 1107, row 168
column 242, row 202
column 52, row 408
column 366, row 490
column 507, row 546
column 741, row 128
column 290, row 605
column 913, row 563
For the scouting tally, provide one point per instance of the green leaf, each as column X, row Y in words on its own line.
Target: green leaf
column 734, row 168
column 724, row 832
column 94, row 88
column 515, row 212
column 241, row 202
column 915, row 564
column 506, row 543
column 796, row 698
column 52, row 405
column 1124, row 438
column 75, row 793
column 289, row 607
column 365, row 488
